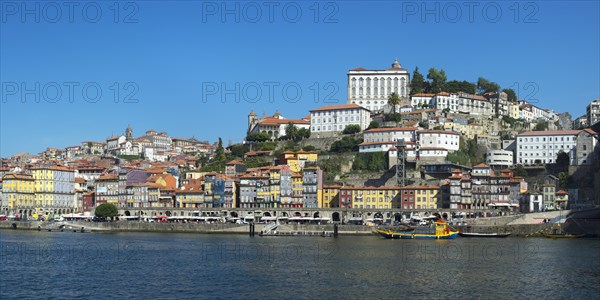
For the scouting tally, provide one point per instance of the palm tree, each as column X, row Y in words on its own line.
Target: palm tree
column 394, row 100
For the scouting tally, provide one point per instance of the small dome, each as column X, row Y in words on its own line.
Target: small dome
column 396, row 64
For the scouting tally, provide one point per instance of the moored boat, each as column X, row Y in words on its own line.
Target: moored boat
column 563, row 235
column 442, row 231
column 484, row 235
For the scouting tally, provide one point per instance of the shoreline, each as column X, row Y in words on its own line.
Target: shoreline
column 519, row 230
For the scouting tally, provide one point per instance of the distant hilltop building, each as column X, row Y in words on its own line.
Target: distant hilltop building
column 274, row 125
column 371, row 88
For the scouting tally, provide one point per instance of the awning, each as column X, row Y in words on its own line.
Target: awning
column 268, row 218
column 500, row 204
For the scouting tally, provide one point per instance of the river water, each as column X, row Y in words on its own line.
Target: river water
column 158, row 265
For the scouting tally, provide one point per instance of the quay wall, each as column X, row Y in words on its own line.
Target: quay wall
column 516, row 230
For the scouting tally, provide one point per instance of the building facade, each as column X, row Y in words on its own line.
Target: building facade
column 371, row 88
column 330, row 120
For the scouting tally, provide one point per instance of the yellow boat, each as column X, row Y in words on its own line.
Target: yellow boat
column 442, row 231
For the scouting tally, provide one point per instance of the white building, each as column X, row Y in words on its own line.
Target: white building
column 155, row 154
column 441, row 101
column 273, row 125
column 375, row 146
column 444, row 100
column 113, row 143
column 535, row 112
column 542, row 147
column 390, row 134
column 422, row 100
column 593, row 112
column 371, row 88
column 329, row 120
column 499, row 158
column 439, row 139
column 423, row 153
column 474, row 105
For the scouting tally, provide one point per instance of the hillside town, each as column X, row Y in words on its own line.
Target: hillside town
column 402, row 141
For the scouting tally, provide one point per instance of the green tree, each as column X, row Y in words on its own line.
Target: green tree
column 455, row 86
column 106, row 210
column 424, row 124
column 346, row 144
column 238, row 150
column 511, row 95
column 303, row 133
column 309, row 148
column 351, row 129
column 291, row 131
column 394, row 100
column 393, row 117
column 484, row 86
column 258, row 137
column 562, row 161
column 437, row 80
column 519, row 170
column 564, row 179
column 417, row 84
column 540, row 126
column 372, row 161
column 220, row 151
column 373, row 124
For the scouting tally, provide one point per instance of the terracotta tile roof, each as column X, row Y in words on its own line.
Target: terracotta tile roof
column 390, row 129
column 550, row 132
column 334, row 186
column 377, row 143
column 423, row 95
column 108, row 177
column 18, row 176
column 590, row 131
column 275, row 121
column 339, row 106
column 561, row 192
column 433, row 148
column 235, row 162
column 438, row 131
column 481, row 166
column 420, row 187
column 255, row 153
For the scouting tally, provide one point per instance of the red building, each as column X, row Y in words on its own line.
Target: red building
column 88, row 201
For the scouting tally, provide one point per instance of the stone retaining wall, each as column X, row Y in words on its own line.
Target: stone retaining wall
column 516, row 230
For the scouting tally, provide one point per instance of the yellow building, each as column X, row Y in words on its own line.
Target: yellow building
column 297, row 199
column 561, row 199
column 330, row 197
column 513, row 110
column 427, row 197
column 18, row 190
column 190, row 196
column 274, row 186
column 473, row 130
column 374, row 197
column 297, row 160
column 54, row 188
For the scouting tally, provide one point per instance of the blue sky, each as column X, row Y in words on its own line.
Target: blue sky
column 161, row 54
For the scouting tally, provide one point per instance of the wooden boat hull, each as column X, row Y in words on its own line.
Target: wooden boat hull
column 563, row 236
column 408, row 235
column 483, row 235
